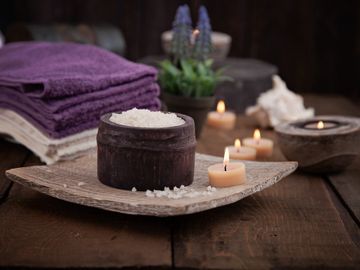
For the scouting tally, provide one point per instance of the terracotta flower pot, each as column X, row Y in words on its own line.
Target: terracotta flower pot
column 197, row 108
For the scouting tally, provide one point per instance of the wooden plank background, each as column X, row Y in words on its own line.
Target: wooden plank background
column 315, row 44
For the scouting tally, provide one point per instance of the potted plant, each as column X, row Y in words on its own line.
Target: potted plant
column 187, row 79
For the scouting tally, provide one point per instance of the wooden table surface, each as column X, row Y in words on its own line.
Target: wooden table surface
column 303, row 222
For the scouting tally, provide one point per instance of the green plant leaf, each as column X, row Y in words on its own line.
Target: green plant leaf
column 169, row 67
column 187, row 68
column 191, row 78
column 208, row 63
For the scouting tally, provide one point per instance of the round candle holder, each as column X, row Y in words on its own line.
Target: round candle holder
column 328, row 149
column 146, row 158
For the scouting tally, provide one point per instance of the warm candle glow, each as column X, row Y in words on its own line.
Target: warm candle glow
column 264, row 147
column 196, row 32
column 226, row 158
column 320, row 125
column 237, row 144
column 220, row 108
column 257, row 135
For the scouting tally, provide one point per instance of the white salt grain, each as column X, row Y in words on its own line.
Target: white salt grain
column 81, row 184
column 146, row 119
column 149, row 193
column 178, row 193
column 133, row 189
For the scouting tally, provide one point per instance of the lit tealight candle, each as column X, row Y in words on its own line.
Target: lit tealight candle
column 264, row 147
column 241, row 152
column 320, row 125
column 227, row 174
column 221, row 119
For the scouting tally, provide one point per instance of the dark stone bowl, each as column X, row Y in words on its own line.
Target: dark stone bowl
column 321, row 151
column 146, row 158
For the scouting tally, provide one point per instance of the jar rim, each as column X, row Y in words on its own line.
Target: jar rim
column 187, row 120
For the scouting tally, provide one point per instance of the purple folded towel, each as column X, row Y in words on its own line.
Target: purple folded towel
column 64, row 88
column 63, row 124
column 41, row 113
column 52, row 70
column 91, row 123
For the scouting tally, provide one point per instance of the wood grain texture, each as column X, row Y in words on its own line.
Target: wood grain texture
column 37, row 230
column 297, row 224
column 346, row 184
column 293, row 225
column 51, row 180
column 320, row 37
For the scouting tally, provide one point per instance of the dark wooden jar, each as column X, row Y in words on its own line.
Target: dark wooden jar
column 146, row 158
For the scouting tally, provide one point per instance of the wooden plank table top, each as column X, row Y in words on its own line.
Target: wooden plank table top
column 304, row 222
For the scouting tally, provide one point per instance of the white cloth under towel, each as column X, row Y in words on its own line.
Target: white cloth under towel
column 49, row 150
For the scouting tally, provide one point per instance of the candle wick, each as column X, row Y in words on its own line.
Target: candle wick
column 225, row 168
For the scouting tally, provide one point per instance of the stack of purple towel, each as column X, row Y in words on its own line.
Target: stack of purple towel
column 64, row 88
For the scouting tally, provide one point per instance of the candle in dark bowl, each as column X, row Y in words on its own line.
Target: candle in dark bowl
column 146, row 157
column 320, row 125
column 323, row 144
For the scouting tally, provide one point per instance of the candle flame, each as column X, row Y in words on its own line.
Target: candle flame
column 257, row 135
column 226, row 158
column 220, row 108
column 320, row 125
column 237, row 143
column 196, row 32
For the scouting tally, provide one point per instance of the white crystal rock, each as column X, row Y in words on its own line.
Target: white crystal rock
column 279, row 105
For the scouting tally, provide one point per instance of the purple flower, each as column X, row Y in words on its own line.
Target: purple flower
column 203, row 47
column 180, row 47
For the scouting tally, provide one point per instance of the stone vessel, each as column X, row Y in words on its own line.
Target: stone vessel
column 327, row 150
column 146, row 158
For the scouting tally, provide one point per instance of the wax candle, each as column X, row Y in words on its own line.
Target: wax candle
column 320, row 125
column 241, row 152
column 264, row 147
column 221, row 119
column 227, row 174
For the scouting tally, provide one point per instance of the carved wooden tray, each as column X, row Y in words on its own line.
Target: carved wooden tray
column 76, row 182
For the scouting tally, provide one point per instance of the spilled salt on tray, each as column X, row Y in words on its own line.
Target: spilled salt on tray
column 178, row 193
column 147, row 119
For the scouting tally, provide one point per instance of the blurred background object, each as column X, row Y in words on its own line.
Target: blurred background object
column 221, row 43
column 314, row 44
column 2, row 41
column 103, row 35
